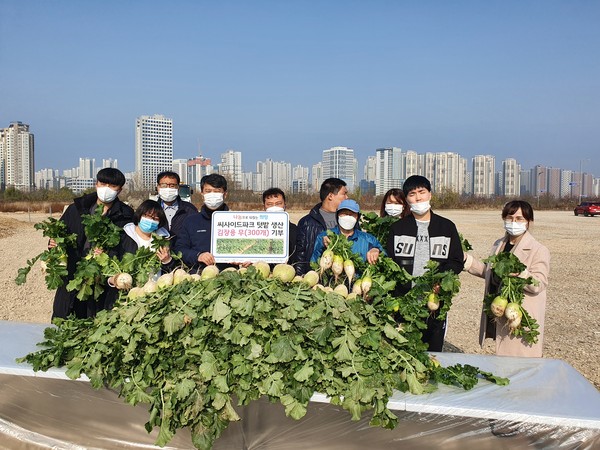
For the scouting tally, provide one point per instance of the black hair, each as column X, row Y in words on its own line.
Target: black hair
column 415, row 182
column 167, row 174
column 153, row 207
column 110, row 175
column 398, row 194
column 273, row 192
column 512, row 207
column 215, row 180
column 330, row 186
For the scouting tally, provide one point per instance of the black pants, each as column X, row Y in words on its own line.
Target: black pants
column 434, row 334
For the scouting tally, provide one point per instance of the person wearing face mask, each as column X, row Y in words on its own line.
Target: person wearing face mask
column 194, row 238
column 109, row 183
column 420, row 237
column 149, row 219
column 320, row 218
column 394, row 204
column 517, row 216
column 364, row 244
column 274, row 201
column 176, row 210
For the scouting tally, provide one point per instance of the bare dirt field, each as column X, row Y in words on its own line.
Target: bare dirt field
column 572, row 325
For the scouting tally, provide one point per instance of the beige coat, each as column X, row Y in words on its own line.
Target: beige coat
column 537, row 259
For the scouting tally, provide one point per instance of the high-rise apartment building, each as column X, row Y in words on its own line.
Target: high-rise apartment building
column 554, row 182
column 339, row 162
column 299, row 179
column 180, row 168
column 511, row 179
column 539, row 180
column 106, row 163
column 316, row 177
column 370, row 171
column 389, row 169
column 448, row 172
column 17, row 157
column 411, row 164
column 153, row 148
column 483, row 175
column 196, row 169
column 274, row 174
column 231, row 168
column 87, row 168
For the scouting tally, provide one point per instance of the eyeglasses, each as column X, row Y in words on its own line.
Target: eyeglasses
column 151, row 217
column 168, row 185
column 515, row 219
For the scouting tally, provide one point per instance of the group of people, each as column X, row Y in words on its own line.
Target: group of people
column 418, row 236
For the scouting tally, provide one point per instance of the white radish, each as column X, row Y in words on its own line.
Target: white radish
column 326, row 260
column 123, row 281
column 512, row 312
column 349, row 270
column 498, row 306
column 337, row 266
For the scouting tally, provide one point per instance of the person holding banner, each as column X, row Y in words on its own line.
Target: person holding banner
column 194, row 239
column 273, row 201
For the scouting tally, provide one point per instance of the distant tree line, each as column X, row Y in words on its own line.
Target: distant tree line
column 12, row 199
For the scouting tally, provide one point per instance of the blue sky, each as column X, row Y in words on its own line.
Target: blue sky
column 287, row 79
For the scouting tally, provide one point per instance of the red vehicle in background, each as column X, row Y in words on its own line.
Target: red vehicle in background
column 587, row 209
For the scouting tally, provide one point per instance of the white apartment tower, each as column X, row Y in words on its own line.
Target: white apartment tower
column 449, row 172
column 411, row 164
column 511, row 179
column 316, row 177
column 274, row 174
column 231, row 168
column 299, row 179
column 153, row 148
column 339, row 162
column 17, row 157
column 389, row 169
column 483, row 175
column 87, row 168
column 180, row 168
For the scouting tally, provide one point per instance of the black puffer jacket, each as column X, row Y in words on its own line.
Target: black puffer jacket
column 306, row 235
column 66, row 303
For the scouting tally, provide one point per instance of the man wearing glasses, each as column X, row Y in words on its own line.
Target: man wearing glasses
column 176, row 210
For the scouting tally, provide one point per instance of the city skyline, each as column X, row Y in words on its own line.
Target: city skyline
column 289, row 80
column 388, row 168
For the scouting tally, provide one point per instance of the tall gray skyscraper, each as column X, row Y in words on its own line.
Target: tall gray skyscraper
column 153, row 149
column 17, row 157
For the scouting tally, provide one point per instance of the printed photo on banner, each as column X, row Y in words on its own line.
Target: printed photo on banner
column 242, row 236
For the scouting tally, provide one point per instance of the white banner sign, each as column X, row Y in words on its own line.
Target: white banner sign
column 242, row 236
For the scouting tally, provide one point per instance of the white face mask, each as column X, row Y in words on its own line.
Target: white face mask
column 213, row 200
column 394, row 209
column 347, row 222
column 515, row 228
column 275, row 209
column 106, row 194
column 420, row 208
column 168, row 194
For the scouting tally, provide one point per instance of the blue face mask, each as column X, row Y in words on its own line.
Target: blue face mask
column 148, row 225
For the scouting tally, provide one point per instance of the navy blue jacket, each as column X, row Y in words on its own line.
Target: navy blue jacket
column 307, row 231
column 184, row 210
column 194, row 237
